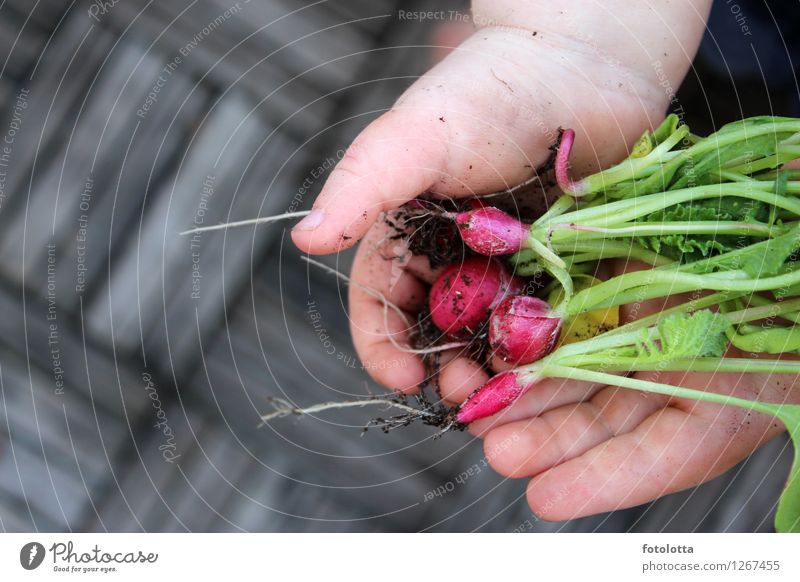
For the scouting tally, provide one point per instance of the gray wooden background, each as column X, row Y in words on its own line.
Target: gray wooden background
column 130, row 398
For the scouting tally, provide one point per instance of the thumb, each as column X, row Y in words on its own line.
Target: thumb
column 397, row 157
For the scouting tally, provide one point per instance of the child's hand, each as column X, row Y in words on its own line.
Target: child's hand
column 478, row 122
column 482, row 118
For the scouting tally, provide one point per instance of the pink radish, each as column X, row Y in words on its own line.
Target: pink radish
column 492, row 397
column 523, row 329
column 567, row 184
column 490, row 231
column 464, row 294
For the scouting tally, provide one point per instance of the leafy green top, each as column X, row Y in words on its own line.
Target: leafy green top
column 694, row 247
column 700, row 334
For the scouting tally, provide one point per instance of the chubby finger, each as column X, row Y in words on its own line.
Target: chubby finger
column 379, row 272
column 421, row 269
column 459, row 377
column 371, row 326
column 670, row 451
column 398, row 156
column 383, row 266
column 548, row 394
column 568, row 431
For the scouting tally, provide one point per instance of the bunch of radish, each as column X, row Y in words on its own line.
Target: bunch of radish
column 718, row 214
column 481, row 292
column 521, row 328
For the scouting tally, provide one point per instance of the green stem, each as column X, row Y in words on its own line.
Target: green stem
column 577, row 268
column 766, row 310
column 565, row 279
column 636, row 287
column 612, row 249
column 666, row 162
column 781, row 156
column 559, row 207
column 726, row 365
column 632, row 168
column 604, row 341
column 561, row 232
column 760, row 301
column 770, row 340
column 641, row 294
column 630, row 209
column 548, row 256
column 658, row 283
column 688, row 306
column 553, row 371
column 732, row 176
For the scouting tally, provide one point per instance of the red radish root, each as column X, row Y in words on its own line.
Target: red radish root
column 492, row 397
column 562, row 165
column 490, row 231
column 464, row 294
column 523, row 329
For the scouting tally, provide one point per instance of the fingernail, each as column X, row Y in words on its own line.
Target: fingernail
column 311, row 221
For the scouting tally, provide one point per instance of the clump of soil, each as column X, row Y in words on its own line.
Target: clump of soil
column 428, row 231
column 429, row 412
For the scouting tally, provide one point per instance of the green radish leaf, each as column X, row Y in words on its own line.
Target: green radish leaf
column 736, row 208
column 666, row 129
column 643, row 146
column 700, row 334
column 787, row 518
column 649, row 140
column 703, row 170
column 761, row 259
column 689, row 248
column 770, row 260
